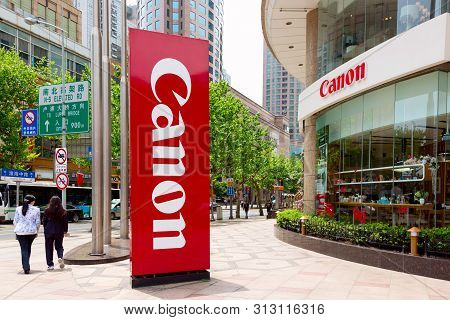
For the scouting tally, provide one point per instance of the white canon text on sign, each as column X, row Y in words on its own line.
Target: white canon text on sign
column 177, row 169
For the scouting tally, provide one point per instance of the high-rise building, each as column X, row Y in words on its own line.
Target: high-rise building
column 87, row 9
column 195, row 18
column 280, row 96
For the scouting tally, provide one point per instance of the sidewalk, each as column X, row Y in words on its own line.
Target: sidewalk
column 247, row 263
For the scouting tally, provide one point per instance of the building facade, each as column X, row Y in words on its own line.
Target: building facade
column 277, row 125
column 195, row 18
column 33, row 43
column 61, row 13
column 376, row 107
column 280, row 97
column 87, row 9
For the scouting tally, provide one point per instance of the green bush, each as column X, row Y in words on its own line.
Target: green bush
column 379, row 235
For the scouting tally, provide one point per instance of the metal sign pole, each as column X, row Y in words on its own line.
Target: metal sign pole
column 63, row 82
column 97, row 144
column 124, row 129
column 106, row 125
column 17, row 193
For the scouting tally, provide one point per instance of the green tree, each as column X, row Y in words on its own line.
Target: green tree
column 17, row 91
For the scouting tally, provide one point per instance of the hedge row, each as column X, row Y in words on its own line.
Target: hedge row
column 380, row 235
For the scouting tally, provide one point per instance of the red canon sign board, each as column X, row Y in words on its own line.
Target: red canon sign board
column 169, row 142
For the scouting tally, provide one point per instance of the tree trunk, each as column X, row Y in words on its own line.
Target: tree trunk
column 238, row 203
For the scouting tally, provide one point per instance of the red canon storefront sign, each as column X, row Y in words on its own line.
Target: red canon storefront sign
column 169, row 139
column 346, row 79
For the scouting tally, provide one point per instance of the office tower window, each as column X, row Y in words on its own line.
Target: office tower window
column 176, row 4
column 192, row 16
column 201, row 9
column 175, row 28
column 157, row 13
column 149, row 16
column 201, row 21
column 192, row 4
column 202, row 32
column 149, row 4
column 192, row 27
column 157, row 25
column 157, row 2
column 175, row 16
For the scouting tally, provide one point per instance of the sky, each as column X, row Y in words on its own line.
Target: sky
column 243, row 46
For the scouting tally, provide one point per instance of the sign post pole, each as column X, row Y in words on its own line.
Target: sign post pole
column 17, row 193
column 63, row 81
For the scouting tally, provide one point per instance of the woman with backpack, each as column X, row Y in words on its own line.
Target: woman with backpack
column 27, row 221
column 55, row 226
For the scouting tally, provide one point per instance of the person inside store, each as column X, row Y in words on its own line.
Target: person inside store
column 27, row 221
column 55, row 227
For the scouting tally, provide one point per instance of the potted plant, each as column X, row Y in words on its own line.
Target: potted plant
column 421, row 196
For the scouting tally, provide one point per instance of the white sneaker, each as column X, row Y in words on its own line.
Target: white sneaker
column 61, row 263
column 50, row 268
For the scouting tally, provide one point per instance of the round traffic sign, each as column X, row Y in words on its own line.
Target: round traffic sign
column 62, row 181
column 61, row 156
column 29, row 118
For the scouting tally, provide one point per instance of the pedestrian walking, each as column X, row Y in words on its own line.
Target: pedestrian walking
column 246, row 207
column 55, row 227
column 27, row 221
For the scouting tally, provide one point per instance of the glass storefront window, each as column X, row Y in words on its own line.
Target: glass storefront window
column 374, row 153
column 346, row 28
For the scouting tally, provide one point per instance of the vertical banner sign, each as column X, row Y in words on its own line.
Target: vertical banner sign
column 169, row 144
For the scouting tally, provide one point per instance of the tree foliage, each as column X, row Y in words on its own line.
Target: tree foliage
column 242, row 149
column 17, row 92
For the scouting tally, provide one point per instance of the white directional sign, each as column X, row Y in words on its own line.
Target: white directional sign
column 62, row 181
column 61, row 160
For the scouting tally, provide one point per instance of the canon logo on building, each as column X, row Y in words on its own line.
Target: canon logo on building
column 168, row 196
column 346, row 79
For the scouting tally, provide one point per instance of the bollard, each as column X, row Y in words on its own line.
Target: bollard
column 303, row 222
column 414, row 239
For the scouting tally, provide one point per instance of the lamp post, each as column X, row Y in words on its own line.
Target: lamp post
column 414, row 241
column 32, row 20
column 303, row 222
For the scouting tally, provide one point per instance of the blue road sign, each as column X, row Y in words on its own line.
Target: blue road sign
column 30, row 123
column 17, row 175
column 230, row 191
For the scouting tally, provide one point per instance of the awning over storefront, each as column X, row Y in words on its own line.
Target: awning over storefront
column 284, row 29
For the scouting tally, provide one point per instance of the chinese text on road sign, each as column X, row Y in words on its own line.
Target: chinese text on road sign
column 17, row 175
column 29, row 123
column 77, row 108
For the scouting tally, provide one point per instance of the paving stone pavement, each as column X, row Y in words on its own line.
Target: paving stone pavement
column 247, row 263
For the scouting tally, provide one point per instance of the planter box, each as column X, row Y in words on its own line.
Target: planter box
column 421, row 266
